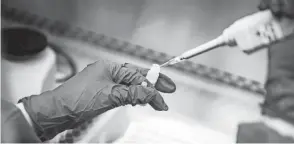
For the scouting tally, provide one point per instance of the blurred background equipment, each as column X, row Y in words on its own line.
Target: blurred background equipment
column 28, row 65
column 21, row 43
column 66, row 66
column 26, row 52
column 206, row 96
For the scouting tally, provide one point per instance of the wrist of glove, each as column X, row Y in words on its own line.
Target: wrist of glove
column 100, row 87
column 279, row 8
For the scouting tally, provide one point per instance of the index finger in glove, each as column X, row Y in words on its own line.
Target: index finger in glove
column 126, row 76
column 163, row 84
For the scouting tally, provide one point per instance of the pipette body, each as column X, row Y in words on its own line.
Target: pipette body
column 218, row 42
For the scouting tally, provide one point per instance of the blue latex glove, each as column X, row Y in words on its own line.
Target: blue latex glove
column 100, row 87
column 279, row 7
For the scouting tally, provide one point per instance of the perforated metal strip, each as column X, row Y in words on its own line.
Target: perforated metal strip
column 66, row 30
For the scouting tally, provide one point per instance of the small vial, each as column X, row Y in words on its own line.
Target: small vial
column 152, row 75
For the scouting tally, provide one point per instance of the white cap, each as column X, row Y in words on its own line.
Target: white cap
column 153, row 74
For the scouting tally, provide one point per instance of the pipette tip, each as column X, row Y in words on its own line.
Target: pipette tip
column 171, row 62
column 165, row 64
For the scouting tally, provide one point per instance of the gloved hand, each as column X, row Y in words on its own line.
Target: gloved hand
column 279, row 7
column 100, row 87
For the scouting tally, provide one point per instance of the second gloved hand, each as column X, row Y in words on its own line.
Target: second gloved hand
column 100, row 87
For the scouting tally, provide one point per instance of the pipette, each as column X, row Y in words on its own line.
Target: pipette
column 249, row 34
column 218, row 42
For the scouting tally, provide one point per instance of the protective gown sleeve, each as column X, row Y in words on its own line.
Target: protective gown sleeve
column 279, row 100
column 14, row 127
